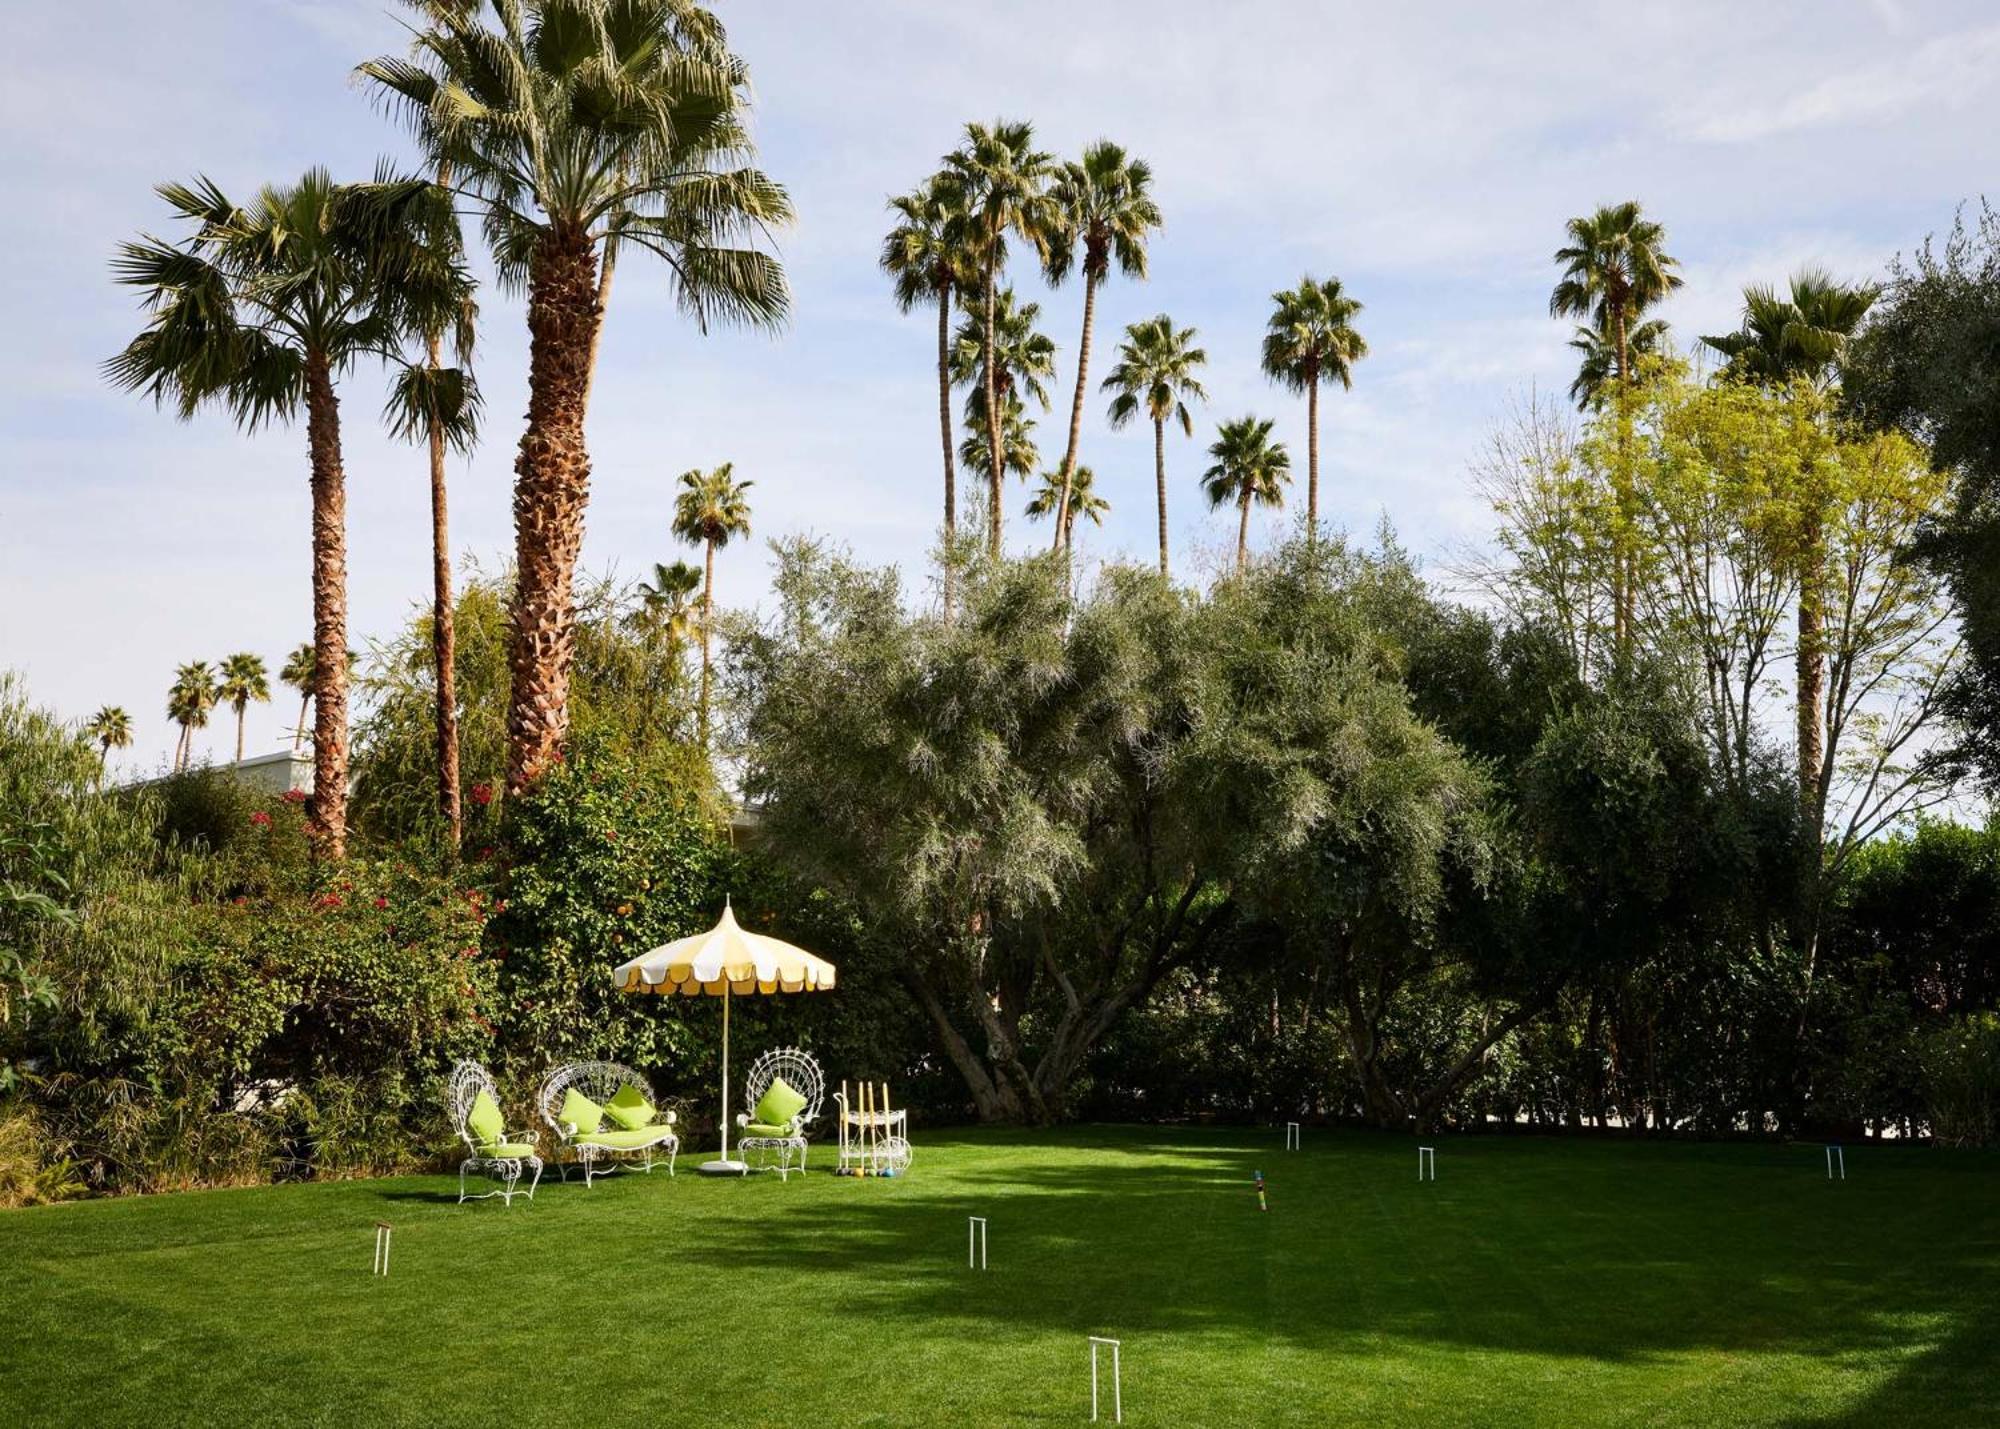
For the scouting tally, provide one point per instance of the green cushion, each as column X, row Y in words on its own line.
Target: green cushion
column 758, row 1128
column 484, row 1120
column 629, row 1109
column 507, row 1150
column 778, row 1105
column 622, row 1140
column 580, row 1112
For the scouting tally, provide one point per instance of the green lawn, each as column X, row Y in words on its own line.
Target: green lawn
column 1536, row 1282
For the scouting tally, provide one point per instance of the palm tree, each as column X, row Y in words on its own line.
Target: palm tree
column 1599, row 365
column 261, row 311
column 1017, row 434
column 1022, row 365
column 244, row 678
column 1801, row 336
column 577, row 125
column 926, row 254
column 1001, row 182
column 666, row 608
column 1107, row 209
column 441, row 406
column 711, row 510
column 189, row 700
column 1083, row 501
column 297, row 672
column 1614, row 267
column 1249, row 467
column 1311, row 336
column 110, row 728
column 1155, row 374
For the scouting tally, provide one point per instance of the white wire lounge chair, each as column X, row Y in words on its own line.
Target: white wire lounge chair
column 603, row 1116
column 785, row 1133
column 504, row 1155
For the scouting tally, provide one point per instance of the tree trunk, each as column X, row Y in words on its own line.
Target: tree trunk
column 1160, row 481
column 1811, row 662
column 996, row 457
column 1243, row 532
column 551, row 490
column 240, row 708
column 328, row 824
column 1623, row 569
column 944, row 412
column 992, row 1100
column 444, row 642
column 604, row 272
column 299, row 734
column 1312, row 455
column 1076, row 404
column 707, row 627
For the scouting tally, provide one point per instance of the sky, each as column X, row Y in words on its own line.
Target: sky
column 1427, row 155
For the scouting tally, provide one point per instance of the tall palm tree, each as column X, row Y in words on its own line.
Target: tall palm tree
column 189, row 700
column 243, row 678
column 712, row 509
column 925, row 252
column 1801, row 336
column 1019, row 456
column 1001, row 180
column 1249, row 467
column 1022, row 365
column 1311, row 336
column 1107, row 210
column 576, row 125
column 1083, row 502
column 1614, row 267
column 262, row 310
column 440, row 406
column 110, row 728
column 1155, row 374
column 1598, row 368
column 297, row 672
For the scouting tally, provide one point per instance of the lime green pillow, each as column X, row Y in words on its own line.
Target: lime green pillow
column 779, row 1104
column 580, row 1112
column 629, row 1109
column 484, row 1120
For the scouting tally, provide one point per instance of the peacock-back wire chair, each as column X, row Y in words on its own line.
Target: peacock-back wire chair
column 802, row 1074
column 505, row 1156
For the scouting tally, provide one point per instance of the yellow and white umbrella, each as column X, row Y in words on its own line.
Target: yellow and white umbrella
column 725, row 961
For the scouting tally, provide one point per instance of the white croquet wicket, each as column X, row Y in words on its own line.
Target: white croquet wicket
column 1291, row 1136
column 975, row 1231
column 383, row 1231
column 1117, row 1391
column 1427, row 1162
column 1836, row 1156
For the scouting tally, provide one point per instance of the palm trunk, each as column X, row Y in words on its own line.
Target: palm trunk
column 1076, row 404
column 604, row 272
column 239, row 733
column 1160, row 482
column 1243, row 533
column 444, row 644
column 944, row 412
column 707, row 627
column 996, row 457
column 1312, row 456
column 299, row 734
column 328, row 825
column 551, row 491
column 1623, row 569
column 1811, row 663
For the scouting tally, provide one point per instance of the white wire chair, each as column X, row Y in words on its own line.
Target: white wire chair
column 802, row 1074
column 603, row 1151
column 468, row 1080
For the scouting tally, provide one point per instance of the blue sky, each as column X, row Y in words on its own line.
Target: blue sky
column 1427, row 155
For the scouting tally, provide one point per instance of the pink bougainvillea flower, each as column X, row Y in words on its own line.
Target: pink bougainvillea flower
column 295, row 796
column 482, row 794
column 261, row 819
column 381, row 903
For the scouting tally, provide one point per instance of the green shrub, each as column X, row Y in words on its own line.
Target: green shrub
column 1961, row 1067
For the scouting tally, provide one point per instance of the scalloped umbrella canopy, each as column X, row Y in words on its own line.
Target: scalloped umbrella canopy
column 726, row 961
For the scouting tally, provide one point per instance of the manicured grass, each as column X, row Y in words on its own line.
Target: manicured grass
column 1536, row 1282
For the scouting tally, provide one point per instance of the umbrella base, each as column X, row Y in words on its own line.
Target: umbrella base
column 724, row 1168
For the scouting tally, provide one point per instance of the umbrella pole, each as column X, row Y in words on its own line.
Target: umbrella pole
column 725, row 1071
